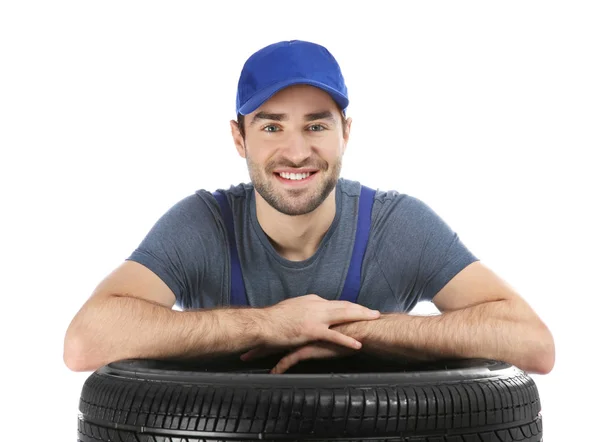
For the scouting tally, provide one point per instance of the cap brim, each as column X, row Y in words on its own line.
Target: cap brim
column 260, row 97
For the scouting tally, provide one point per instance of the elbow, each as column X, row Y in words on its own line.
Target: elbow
column 548, row 354
column 74, row 354
column 544, row 352
column 85, row 346
column 77, row 355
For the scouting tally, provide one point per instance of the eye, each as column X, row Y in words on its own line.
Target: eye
column 270, row 128
column 319, row 127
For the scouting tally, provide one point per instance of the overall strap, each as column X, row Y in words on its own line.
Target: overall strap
column 363, row 229
column 238, row 290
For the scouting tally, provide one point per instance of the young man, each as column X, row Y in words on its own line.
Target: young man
column 301, row 260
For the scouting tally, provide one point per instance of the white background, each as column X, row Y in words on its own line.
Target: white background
column 111, row 112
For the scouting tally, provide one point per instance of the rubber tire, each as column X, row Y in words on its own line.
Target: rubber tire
column 352, row 398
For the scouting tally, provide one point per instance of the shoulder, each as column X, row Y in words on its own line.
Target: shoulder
column 353, row 188
column 232, row 193
column 402, row 213
column 241, row 190
column 198, row 210
column 394, row 203
column 387, row 203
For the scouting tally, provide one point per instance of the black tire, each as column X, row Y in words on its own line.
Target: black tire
column 352, row 398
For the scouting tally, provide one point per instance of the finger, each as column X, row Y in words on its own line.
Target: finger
column 258, row 352
column 319, row 351
column 292, row 359
column 340, row 339
column 282, row 366
column 314, row 351
column 352, row 312
column 251, row 354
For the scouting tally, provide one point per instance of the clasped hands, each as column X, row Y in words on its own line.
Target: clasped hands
column 310, row 327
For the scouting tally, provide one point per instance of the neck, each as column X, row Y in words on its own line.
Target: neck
column 296, row 238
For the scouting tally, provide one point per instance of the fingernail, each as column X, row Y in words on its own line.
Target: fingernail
column 374, row 312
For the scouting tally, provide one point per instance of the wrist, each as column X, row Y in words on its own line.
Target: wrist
column 259, row 329
column 353, row 329
column 361, row 330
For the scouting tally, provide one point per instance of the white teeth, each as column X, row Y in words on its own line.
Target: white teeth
column 294, row 176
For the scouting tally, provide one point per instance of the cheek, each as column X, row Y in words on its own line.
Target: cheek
column 259, row 145
column 332, row 148
column 258, row 156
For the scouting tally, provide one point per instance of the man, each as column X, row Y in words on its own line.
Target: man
column 300, row 260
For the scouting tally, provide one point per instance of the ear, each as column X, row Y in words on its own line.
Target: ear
column 346, row 134
column 238, row 140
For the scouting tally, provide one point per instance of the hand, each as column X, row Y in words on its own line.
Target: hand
column 315, row 350
column 297, row 321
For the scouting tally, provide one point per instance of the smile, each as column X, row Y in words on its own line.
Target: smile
column 295, row 178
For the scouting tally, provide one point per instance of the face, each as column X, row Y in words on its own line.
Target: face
column 299, row 129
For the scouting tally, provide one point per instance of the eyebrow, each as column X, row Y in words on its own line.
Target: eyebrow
column 324, row 115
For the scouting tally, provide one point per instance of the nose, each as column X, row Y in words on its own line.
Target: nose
column 297, row 147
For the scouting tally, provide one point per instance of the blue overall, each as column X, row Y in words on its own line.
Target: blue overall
column 351, row 288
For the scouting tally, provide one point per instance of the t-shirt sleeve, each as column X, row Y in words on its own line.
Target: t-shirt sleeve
column 422, row 247
column 175, row 248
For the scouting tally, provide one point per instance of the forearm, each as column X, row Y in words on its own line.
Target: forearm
column 491, row 330
column 120, row 327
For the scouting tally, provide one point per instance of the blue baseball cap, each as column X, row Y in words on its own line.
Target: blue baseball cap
column 284, row 64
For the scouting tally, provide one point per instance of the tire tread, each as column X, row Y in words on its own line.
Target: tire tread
column 506, row 406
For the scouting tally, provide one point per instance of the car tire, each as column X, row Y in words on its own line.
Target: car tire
column 351, row 398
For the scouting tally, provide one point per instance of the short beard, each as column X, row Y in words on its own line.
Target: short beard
column 295, row 202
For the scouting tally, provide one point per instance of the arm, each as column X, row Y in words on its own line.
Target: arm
column 130, row 316
column 482, row 317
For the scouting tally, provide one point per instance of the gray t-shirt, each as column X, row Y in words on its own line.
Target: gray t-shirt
column 411, row 254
